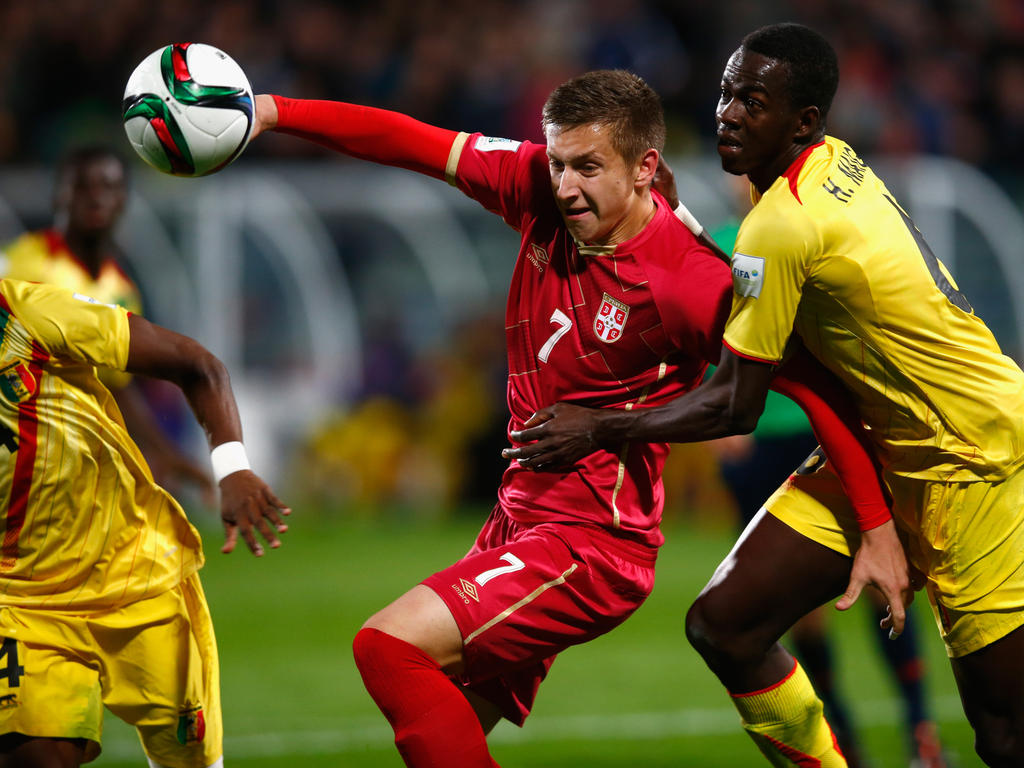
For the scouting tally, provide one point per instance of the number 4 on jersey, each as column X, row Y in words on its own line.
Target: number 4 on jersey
column 12, row 670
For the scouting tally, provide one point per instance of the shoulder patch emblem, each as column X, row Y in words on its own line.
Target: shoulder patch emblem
column 747, row 275
column 611, row 319
column 91, row 300
column 492, row 144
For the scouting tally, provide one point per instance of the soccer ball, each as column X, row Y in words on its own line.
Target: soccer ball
column 188, row 109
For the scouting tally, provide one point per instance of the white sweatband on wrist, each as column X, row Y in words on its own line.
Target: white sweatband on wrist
column 228, row 458
column 683, row 214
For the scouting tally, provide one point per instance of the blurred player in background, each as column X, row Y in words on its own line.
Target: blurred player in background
column 78, row 252
column 614, row 303
column 100, row 598
column 829, row 256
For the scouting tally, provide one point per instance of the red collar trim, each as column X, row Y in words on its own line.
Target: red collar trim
column 57, row 245
column 793, row 172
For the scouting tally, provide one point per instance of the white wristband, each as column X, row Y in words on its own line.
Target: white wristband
column 228, row 458
column 684, row 215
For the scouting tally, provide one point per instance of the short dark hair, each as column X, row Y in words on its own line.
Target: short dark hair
column 612, row 97
column 813, row 70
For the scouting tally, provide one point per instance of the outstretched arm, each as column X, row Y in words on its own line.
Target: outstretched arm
column 730, row 402
column 379, row 135
column 247, row 503
column 169, row 464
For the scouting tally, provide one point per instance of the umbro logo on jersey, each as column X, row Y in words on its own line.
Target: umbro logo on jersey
column 538, row 256
column 747, row 275
column 611, row 319
column 466, row 590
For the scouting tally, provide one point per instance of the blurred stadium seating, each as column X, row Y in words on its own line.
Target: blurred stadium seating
column 325, row 286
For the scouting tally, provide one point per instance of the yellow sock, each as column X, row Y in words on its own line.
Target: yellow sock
column 787, row 723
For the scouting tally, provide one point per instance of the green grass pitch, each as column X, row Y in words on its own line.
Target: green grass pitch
column 638, row 696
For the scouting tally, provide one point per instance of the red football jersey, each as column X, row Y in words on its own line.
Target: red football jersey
column 613, row 327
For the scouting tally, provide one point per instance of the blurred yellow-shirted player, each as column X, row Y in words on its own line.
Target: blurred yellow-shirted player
column 100, row 600
column 79, row 252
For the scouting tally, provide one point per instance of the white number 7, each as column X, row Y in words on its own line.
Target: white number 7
column 514, row 564
column 564, row 324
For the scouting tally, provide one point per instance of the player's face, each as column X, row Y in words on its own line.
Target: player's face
column 593, row 185
column 92, row 196
column 756, row 123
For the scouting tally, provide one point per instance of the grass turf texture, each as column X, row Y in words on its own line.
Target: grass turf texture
column 638, row 696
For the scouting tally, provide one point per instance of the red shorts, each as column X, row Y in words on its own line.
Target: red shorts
column 525, row 592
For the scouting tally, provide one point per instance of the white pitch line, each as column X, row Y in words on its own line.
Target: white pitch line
column 359, row 734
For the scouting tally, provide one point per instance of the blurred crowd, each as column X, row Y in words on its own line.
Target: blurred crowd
column 935, row 76
column 931, row 76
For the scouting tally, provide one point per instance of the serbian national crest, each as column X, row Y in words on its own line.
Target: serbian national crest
column 611, row 319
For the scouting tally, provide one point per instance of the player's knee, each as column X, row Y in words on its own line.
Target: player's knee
column 366, row 649
column 712, row 634
column 699, row 631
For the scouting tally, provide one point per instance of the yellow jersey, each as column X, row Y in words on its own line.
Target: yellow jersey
column 44, row 257
column 85, row 525
column 829, row 253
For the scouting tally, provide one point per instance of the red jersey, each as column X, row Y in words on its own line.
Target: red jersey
column 606, row 327
column 632, row 325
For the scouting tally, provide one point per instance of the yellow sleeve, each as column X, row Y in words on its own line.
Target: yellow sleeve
column 771, row 263
column 69, row 325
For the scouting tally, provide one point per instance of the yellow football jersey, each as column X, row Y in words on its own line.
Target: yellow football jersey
column 829, row 253
column 86, row 527
column 44, row 257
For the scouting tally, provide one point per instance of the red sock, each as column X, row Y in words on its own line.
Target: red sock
column 435, row 726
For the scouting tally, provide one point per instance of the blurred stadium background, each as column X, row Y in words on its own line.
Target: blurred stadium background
column 360, row 308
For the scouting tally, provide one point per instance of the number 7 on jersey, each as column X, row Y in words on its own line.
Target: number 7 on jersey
column 564, row 326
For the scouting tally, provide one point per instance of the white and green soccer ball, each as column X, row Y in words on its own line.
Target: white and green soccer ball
column 188, row 109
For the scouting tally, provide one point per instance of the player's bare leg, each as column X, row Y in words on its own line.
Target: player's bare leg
column 405, row 654
column 772, row 577
column 991, row 683
column 421, row 618
column 19, row 751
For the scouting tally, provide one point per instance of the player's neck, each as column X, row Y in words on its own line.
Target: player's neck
column 633, row 222
column 91, row 250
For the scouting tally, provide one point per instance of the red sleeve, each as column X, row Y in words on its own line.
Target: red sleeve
column 838, row 429
column 390, row 138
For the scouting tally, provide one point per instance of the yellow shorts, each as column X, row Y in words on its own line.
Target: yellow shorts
column 152, row 663
column 967, row 538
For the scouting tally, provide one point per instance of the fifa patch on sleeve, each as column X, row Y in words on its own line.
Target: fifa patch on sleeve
column 91, row 300
column 747, row 275
column 491, row 144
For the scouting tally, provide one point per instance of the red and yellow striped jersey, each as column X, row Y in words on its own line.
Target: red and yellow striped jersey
column 85, row 525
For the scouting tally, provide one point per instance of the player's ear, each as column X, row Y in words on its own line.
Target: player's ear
column 647, row 168
column 808, row 121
